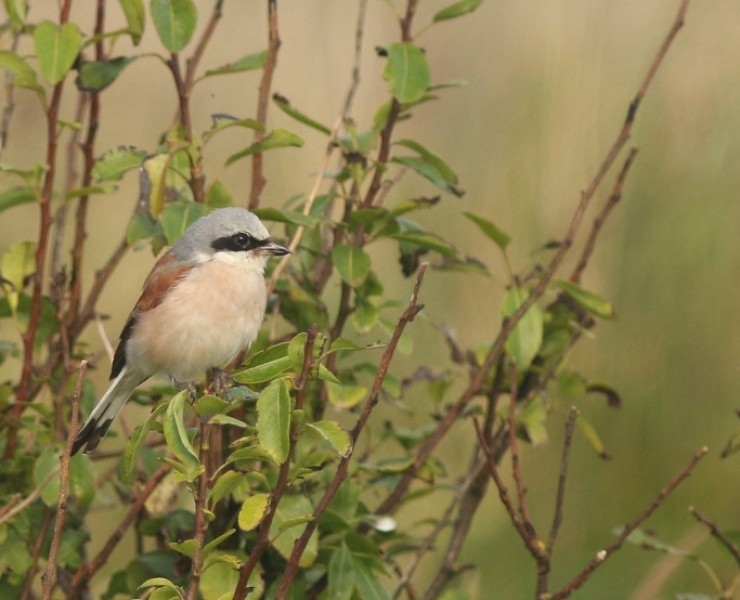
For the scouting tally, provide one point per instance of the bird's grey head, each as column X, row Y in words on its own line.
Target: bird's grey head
column 234, row 234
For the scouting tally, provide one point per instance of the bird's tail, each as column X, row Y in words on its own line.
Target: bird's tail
column 97, row 424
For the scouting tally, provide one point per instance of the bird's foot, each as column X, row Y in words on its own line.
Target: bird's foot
column 187, row 385
column 218, row 381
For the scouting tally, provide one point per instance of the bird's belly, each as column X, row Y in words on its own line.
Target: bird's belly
column 205, row 321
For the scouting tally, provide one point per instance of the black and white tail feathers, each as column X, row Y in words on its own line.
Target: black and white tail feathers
column 97, row 424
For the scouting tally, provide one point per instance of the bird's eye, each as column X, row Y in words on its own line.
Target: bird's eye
column 242, row 240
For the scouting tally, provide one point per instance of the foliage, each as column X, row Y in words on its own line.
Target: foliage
column 270, row 489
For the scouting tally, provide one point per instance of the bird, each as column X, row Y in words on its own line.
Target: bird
column 201, row 307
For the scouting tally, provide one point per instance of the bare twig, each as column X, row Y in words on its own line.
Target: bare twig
column 51, row 567
column 557, row 518
column 355, row 80
column 193, row 62
column 600, row 219
column 716, row 532
column 300, row 544
column 392, row 502
column 603, row 555
column 263, row 100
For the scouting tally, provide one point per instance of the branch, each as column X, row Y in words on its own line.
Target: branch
column 201, row 524
column 47, row 580
column 258, row 178
column 603, row 555
column 557, row 518
column 723, row 539
column 263, row 539
column 300, row 544
column 393, row 500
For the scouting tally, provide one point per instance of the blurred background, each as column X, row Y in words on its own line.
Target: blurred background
column 548, row 86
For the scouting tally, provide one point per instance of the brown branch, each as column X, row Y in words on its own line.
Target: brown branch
column 557, row 518
column 22, row 396
column 86, row 571
column 603, row 555
column 192, row 63
column 716, row 532
column 201, row 524
column 600, row 219
column 263, row 102
column 300, row 544
column 263, row 538
column 27, row 591
column 392, row 502
column 355, row 79
column 48, row 579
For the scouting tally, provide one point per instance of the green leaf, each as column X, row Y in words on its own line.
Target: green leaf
column 141, row 227
column 135, row 15
column 493, row 233
column 96, row 76
column 456, row 10
column 297, row 510
column 284, row 105
column 273, row 420
column 225, row 485
column 222, row 121
column 57, row 47
column 429, row 171
column 175, row 22
column 246, row 63
column 265, row 365
column 345, row 396
column 18, row 262
column 177, row 439
column 525, row 340
column 218, row 196
column 153, row 178
column 23, row 75
column 137, row 439
column 534, row 421
column 333, row 433
column 428, row 241
column 408, row 72
column 366, row 582
column 447, row 174
column 352, row 263
column 278, row 138
column 592, row 437
column 590, row 302
column 47, row 461
column 283, row 216
column 115, row 163
column 177, row 217
column 187, row 547
column 253, row 510
column 341, row 579
column 215, row 542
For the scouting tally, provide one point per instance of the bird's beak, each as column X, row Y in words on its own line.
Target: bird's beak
column 275, row 249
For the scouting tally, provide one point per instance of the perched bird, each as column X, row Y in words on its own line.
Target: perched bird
column 201, row 307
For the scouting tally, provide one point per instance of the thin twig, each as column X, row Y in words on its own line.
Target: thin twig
column 191, row 65
column 48, row 579
column 263, row 101
column 721, row 537
column 8, row 514
column 355, row 80
column 557, row 518
column 614, row 198
column 603, row 555
column 201, row 524
column 26, row 592
column 392, row 502
column 300, row 544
